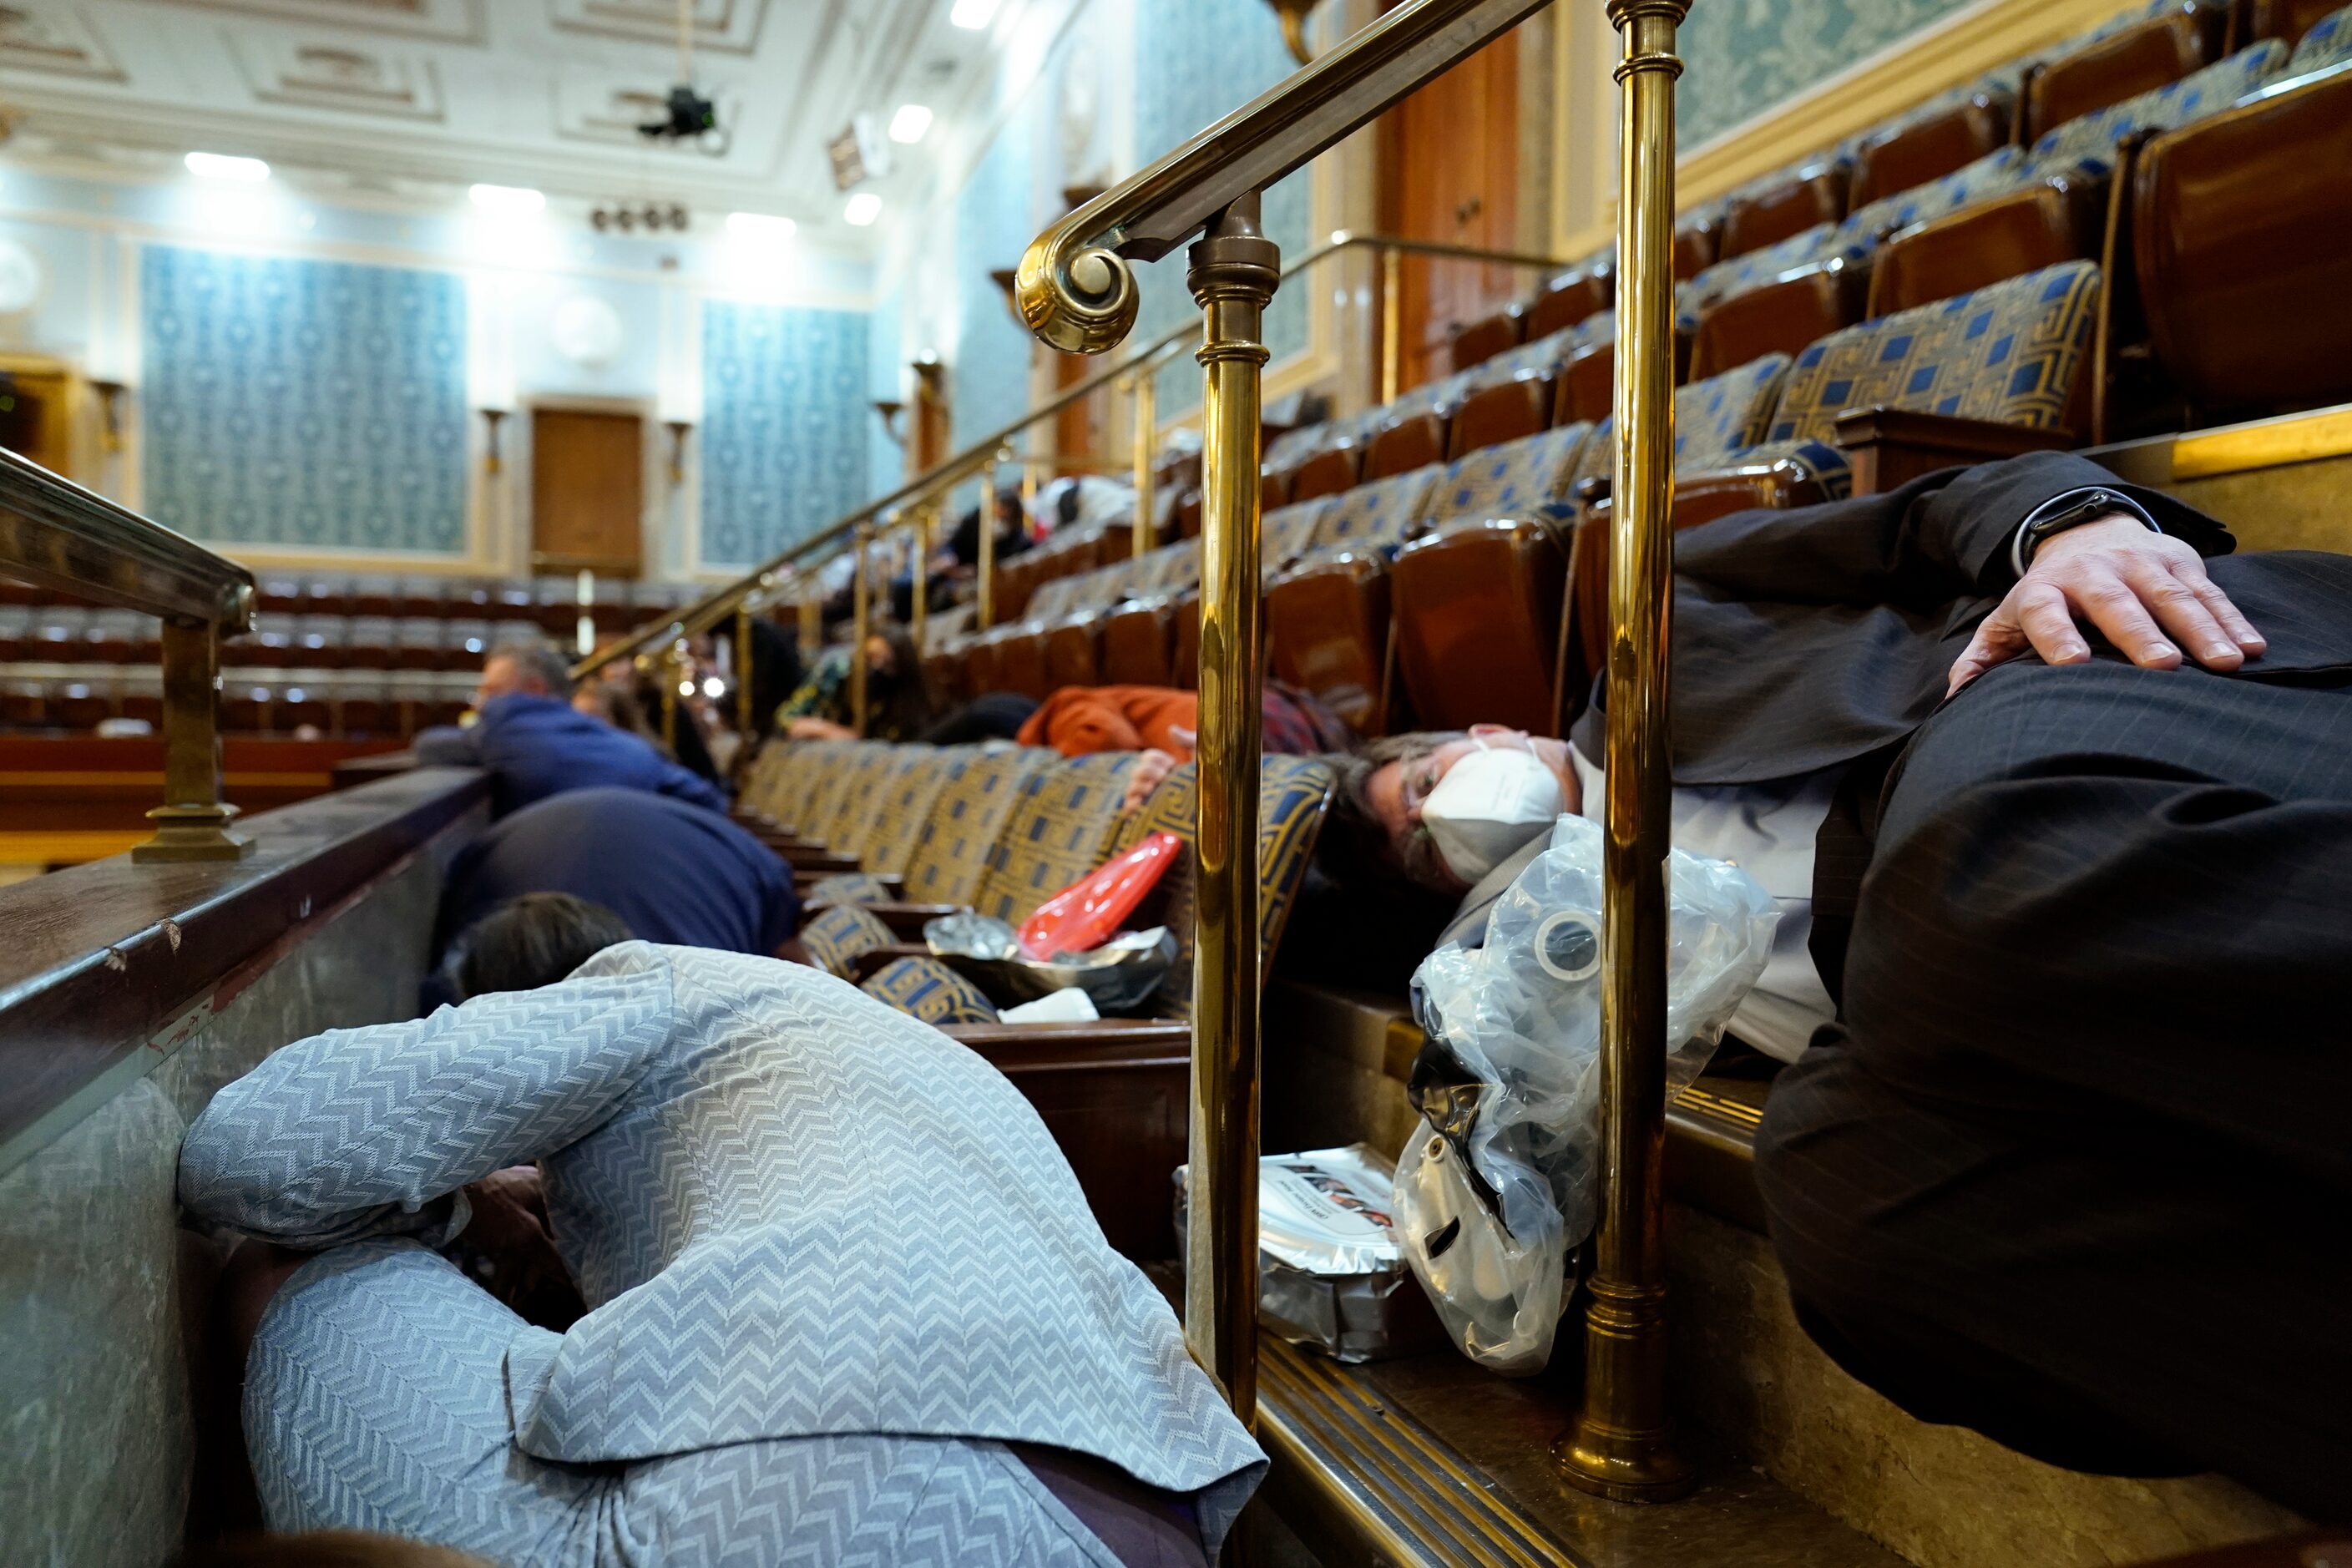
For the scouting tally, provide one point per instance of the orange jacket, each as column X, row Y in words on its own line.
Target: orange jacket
column 1079, row 721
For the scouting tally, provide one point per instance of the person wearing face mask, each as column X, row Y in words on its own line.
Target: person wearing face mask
column 2067, row 787
column 1464, row 814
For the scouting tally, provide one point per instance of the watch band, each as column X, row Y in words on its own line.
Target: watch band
column 2090, row 508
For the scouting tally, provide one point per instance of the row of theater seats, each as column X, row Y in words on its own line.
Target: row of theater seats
column 337, row 707
column 70, row 635
column 883, row 837
column 1446, row 514
column 550, row 602
column 2023, row 169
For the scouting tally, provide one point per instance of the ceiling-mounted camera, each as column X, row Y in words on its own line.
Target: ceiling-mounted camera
column 689, row 117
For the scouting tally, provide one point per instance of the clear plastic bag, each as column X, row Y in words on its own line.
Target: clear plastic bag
column 1502, row 1175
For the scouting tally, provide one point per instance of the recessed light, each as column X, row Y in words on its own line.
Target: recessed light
column 973, row 13
column 910, row 124
column 223, row 166
column 767, row 227
column 862, row 209
column 506, row 198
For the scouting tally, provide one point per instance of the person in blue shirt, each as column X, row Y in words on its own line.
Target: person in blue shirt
column 673, row 873
column 535, row 744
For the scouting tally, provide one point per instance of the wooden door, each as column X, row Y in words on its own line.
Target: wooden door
column 37, row 416
column 1450, row 170
column 587, row 491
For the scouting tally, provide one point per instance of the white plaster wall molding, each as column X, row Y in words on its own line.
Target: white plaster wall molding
column 587, row 330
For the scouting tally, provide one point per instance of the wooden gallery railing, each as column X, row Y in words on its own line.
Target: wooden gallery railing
column 1078, row 291
column 914, row 509
column 58, row 536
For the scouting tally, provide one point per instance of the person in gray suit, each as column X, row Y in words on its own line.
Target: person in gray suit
column 846, row 1303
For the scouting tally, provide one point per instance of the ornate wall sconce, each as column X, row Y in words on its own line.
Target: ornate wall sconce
column 678, row 430
column 109, row 411
column 889, row 409
column 1294, row 15
column 493, row 460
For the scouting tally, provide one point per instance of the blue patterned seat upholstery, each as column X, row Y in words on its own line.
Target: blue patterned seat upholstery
column 1714, row 284
column 1286, row 532
column 1055, row 836
column 1293, row 794
column 927, row 989
column 2010, row 352
column 1167, row 571
column 2328, row 43
column 1526, row 478
column 836, row 937
column 1545, row 356
column 818, row 810
column 2091, row 139
column 1719, row 423
column 872, row 771
column 963, row 825
column 1293, row 447
column 847, row 887
column 1996, row 173
column 1383, row 513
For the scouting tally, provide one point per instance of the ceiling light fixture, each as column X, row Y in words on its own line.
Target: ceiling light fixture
column 766, row 228
column 223, row 166
column 511, row 200
column 910, row 124
column 862, row 209
column 974, row 14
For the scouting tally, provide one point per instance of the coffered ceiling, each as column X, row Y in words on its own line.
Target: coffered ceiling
column 422, row 97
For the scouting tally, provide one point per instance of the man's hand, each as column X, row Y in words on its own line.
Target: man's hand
column 2134, row 585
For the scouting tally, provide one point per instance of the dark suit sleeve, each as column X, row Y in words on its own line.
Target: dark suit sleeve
column 448, row 746
column 679, row 785
column 1943, row 537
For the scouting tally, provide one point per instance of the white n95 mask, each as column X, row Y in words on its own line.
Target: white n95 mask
column 1487, row 805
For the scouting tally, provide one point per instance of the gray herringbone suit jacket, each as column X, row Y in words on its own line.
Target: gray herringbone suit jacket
column 792, row 1211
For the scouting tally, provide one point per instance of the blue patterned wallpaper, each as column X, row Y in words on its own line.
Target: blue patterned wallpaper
column 886, row 381
column 1195, row 62
column 784, row 426
column 995, row 219
column 303, row 404
column 1742, row 56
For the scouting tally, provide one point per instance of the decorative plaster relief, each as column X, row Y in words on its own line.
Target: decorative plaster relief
column 55, row 41
column 314, row 75
column 727, row 27
column 448, row 21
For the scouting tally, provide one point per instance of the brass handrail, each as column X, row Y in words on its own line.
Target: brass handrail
column 1077, row 292
column 55, row 533
column 981, row 456
column 1075, row 287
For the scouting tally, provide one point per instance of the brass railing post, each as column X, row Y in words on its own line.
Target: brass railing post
column 918, row 578
column 860, row 625
column 983, row 613
column 673, row 670
column 1391, row 323
column 1621, row 1446
column 192, row 822
column 1147, row 442
column 808, row 615
column 1233, row 272
column 743, row 714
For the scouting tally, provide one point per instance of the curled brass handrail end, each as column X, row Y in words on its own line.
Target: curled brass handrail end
column 1084, row 302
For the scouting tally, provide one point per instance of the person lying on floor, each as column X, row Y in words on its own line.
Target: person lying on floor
column 846, row 1301
column 2074, row 842
column 535, row 743
column 673, row 873
column 1162, row 723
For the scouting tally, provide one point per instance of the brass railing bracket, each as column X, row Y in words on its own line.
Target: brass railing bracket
column 192, row 822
